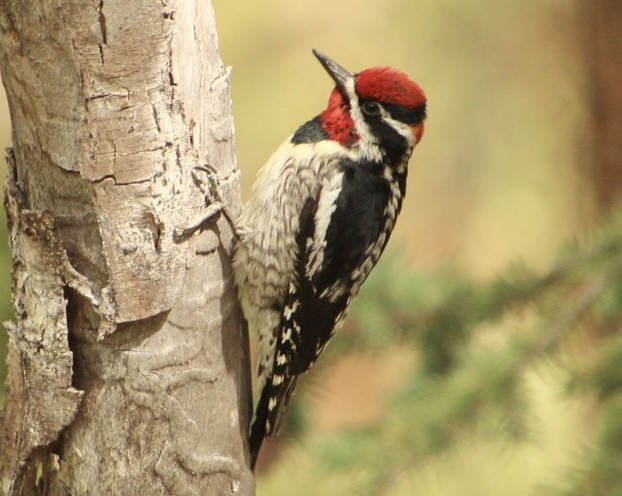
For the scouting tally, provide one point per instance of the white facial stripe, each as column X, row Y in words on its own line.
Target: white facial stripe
column 401, row 128
column 326, row 207
column 357, row 116
column 367, row 146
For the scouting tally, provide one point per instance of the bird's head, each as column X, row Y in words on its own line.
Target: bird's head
column 379, row 108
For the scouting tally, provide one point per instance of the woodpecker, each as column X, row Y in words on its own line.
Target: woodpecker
column 320, row 214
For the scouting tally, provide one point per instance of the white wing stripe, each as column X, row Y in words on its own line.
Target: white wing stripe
column 326, row 206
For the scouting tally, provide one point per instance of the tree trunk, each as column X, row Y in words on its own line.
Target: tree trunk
column 128, row 363
column 603, row 48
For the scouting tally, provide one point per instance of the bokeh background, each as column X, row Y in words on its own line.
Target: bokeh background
column 505, row 172
column 498, row 175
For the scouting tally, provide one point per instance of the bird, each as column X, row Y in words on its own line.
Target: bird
column 319, row 216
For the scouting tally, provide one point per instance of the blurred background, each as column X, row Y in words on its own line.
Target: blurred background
column 522, row 152
column 500, row 172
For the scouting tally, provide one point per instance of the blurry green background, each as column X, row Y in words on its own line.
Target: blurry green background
column 499, row 176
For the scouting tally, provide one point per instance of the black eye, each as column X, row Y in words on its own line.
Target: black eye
column 371, row 108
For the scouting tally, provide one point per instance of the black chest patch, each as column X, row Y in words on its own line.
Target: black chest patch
column 357, row 222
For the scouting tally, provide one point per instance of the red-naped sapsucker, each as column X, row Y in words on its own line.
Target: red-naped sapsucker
column 321, row 212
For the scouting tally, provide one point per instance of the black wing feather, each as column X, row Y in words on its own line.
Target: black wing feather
column 356, row 223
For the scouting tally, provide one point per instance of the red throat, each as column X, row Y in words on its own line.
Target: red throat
column 336, row 120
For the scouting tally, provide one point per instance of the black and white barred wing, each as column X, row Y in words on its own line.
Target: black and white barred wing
column 339, row 240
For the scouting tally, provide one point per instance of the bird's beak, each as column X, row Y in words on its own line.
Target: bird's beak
column 338, row 73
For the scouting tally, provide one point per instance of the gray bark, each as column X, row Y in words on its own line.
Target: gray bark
column 128, row 362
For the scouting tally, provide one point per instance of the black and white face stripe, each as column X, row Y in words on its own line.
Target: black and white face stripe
column 385, row 129
column 404, row 114
column 394, row 136
column 367, row 147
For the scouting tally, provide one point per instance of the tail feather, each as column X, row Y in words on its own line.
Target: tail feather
column 259, row 426
column 269, row 413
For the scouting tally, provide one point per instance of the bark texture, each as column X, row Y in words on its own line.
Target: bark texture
column 128, row 363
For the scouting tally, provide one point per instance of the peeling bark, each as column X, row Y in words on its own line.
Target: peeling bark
column 128, row 363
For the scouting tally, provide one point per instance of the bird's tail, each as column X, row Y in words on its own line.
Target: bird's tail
column 258, row 427
column 269, row 412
